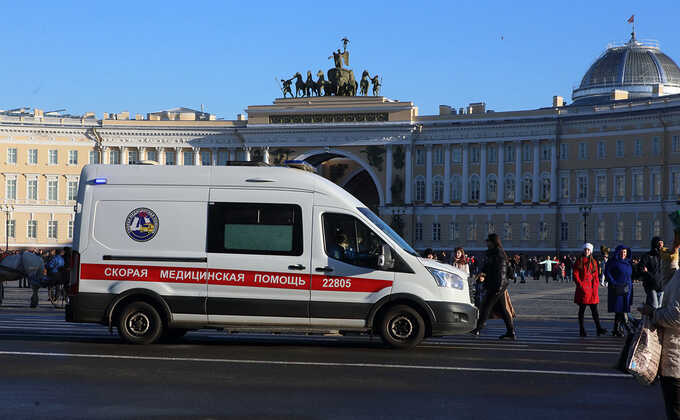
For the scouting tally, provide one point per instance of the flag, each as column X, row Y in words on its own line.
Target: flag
column 632, row 19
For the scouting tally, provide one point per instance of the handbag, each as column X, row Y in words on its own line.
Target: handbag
column 621, row 290
column 645, row 354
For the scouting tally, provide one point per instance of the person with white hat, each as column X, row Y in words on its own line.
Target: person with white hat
column 587, row 283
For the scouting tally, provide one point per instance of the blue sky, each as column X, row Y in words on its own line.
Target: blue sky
column 148, row 56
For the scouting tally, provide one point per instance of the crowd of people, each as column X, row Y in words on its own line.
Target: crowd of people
column 56, row 262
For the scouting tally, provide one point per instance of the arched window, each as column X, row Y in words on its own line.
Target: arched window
column 492, row 188
column 656, row 228
column 437, row 189
column 420, row 189
column 600, row 230
column 455, row 188
column 474, row 188
column 509, row 187
column 545, row 188
column 527, row 188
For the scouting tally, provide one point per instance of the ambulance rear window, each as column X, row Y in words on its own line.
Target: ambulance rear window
column 255, row 228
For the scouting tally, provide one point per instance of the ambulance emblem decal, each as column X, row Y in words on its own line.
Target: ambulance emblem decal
column 141, row 224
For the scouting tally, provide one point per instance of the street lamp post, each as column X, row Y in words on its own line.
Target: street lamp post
column 585, row 211
column 7, row 208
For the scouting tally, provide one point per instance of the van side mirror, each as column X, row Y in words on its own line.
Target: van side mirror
column 385, row 260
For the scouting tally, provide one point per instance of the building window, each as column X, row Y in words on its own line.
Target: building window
column 619, row 230
column 455, row 188
column 32, row 189
column 620, row 148
column 454, row 231
column 620, row 186
column 472, row 232
column 492, row 189
column 52, row 229
column 676, row 144
column 564, row 231
column 638, row 185
column 32, row 229
column 564, row 187
column 72, row 157
column 545, row 152
column 564, row 151
column 152, row 155
column 507, row 231
column 675, row 181
column 206, row 158
column 601, row 150
column 656, row 146
column 527, row 188
column 602, row 186
column 582, row 187
column 490, row 228
column 93, row 157
column 474, row 154
column 70, row 229
column 11, row 188
column 474, row 188
column 492, row 154
column 419, row 231
column 12, row 156
column 436, row 232
column 52, row 189
column 72, row 192
column 637, row 147
column 222, row 157
column 170, row 158
column 509, row 153
column 601, row 230
column 524, row 231
column 133, row 157
column 437, row 189
column 32, row 156
column 656, row 227
column 655, row 181
column 637, row 231
column 420, row 157
column 509, row 188
column 11, row 228
column 456, row 155
column 188, row 156
column 545, row 188
column 543, row 231
column 437, row 155
column 583, row 151
column 114, row 157
column 526, row 152
column 52, row 157
column 420, row 189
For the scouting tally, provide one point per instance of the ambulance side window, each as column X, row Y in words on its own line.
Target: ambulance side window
column 349, row 240
column 255, row 228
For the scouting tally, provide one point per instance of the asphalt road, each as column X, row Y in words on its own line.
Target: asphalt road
column 58, row 370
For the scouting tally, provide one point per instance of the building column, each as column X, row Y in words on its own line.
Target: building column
column 160, row 155
column 265, row 154
column 482, row 173
column 500, row 191
column 197, row 156
column 553, row 172
column 388, row 174
column 123, row 155
column 179, row 156
column 246, row 154
column 447, row 174
column 408, row 175
column 537, row 166
column 518, row 172
column 466, row 174
column 104, row 154
column 428, row 174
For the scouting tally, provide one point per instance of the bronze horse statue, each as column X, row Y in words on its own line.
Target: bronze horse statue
column 364, row 83
column 319, row 84
column 376, row 85
column 300, row 86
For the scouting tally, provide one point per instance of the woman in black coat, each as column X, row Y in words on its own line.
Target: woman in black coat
column 495, row 283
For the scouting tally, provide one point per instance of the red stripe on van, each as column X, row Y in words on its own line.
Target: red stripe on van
column 191, row 275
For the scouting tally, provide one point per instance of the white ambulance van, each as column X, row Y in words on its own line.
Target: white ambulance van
column 160, row 250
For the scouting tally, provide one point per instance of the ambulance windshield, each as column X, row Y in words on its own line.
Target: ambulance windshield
column 387, row 230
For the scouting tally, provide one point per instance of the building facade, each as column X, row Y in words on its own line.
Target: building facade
column 605, row 168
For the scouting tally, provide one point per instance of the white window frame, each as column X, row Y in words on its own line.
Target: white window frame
column 419, row 188
column 11, row 180
column 420, row 156
column 73, row 157
column 12, row 153
column 50, row 180
column 32, row 157
column 620, row 148
column 32, row 179
column 53, row 157
column 31, row 229
column 602, row 150
column 52, row 229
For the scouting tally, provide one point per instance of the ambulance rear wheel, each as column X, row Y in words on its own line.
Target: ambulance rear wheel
column 402, row 327
column 140, row 323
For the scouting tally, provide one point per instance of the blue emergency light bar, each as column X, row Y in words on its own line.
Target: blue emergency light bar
column 99, row 181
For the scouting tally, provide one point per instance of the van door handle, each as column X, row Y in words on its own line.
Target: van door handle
column 325, row 269
column 296, row 267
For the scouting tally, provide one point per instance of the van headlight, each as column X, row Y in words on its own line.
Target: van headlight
column 446, row 279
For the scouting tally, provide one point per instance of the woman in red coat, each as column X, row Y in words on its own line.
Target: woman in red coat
column 587, row 283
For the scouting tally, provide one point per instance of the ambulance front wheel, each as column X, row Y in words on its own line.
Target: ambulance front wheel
column 140, row 323
column 402, row 327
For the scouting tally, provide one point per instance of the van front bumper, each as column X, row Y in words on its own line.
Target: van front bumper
column 453, row 318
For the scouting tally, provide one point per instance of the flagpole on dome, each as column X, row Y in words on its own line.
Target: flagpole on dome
column 632, row 34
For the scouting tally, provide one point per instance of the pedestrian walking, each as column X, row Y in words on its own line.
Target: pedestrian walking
column 587, row 285
column 460, row 260
column 548, row 267
column 523, row 264
column 651, row 273
column 620, row 290
column 602, row 263
column 495, row 274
